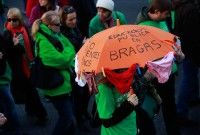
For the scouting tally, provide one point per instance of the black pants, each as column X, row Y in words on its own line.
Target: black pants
column 24, row 93
column 144, row 123
column 167, row 93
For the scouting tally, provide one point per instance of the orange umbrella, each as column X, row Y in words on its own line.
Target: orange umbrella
column 121, row 46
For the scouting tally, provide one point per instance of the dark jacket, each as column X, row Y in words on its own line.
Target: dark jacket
column 3, row 60
column 187, row 27
column 74, row 36
column 20, row 82
column 5, row 71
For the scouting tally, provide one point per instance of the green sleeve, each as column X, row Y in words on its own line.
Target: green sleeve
column 105, row 101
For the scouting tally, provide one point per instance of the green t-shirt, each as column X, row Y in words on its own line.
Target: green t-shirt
column 108, row 99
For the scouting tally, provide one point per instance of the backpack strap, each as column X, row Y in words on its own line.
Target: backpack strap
column 55, row 42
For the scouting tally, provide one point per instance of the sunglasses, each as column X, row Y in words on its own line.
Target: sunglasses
column 12, row 19
column 68, row 10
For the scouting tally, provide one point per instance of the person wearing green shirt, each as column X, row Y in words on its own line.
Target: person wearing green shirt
column 155, row 15
column 105, row 18
column 116, row 110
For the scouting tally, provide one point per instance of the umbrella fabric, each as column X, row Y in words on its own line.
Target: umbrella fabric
column 121, row 46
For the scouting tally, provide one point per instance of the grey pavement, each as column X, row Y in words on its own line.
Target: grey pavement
column 130, row 8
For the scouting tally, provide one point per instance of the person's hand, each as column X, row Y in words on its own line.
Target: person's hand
column 133, row 99
column 2, row 119
column 1, row 55
column 84, row 40
column 16, row 40
column 179, row 55
column 148, row 75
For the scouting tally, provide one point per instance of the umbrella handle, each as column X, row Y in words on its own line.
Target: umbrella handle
column 102, row 69
column 118, row 22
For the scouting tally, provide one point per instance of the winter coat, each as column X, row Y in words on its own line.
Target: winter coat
column 5, row 71
column 74, row 36
column 96, row 25
column 50, row 56
column 187, row 27
column 19, row 60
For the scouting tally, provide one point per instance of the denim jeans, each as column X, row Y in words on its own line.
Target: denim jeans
column 66, row 124
column 188, row 87
column 7, row 106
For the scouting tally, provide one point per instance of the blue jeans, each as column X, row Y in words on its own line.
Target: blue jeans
column 7, row 106
column 188, row 87
column 66, row 124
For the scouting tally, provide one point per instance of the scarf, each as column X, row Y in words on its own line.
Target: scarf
column 109, row 23
column 27, row 46
column 122, row 81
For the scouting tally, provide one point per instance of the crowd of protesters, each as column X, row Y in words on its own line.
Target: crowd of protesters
column 55, row 30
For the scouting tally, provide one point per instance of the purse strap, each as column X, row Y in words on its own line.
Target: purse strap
column 54, row 41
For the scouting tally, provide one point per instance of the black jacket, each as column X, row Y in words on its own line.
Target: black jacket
column 74, row 36
column 187, row 27
column 3, row 60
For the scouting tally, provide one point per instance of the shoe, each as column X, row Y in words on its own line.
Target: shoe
column 185, row 122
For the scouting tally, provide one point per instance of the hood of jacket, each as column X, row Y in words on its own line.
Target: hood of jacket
column 142, row 16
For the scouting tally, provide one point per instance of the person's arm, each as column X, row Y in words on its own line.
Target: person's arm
column 125, row 109
column 108, row 113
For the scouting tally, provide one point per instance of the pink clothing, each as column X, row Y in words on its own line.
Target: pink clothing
column 162, row 68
